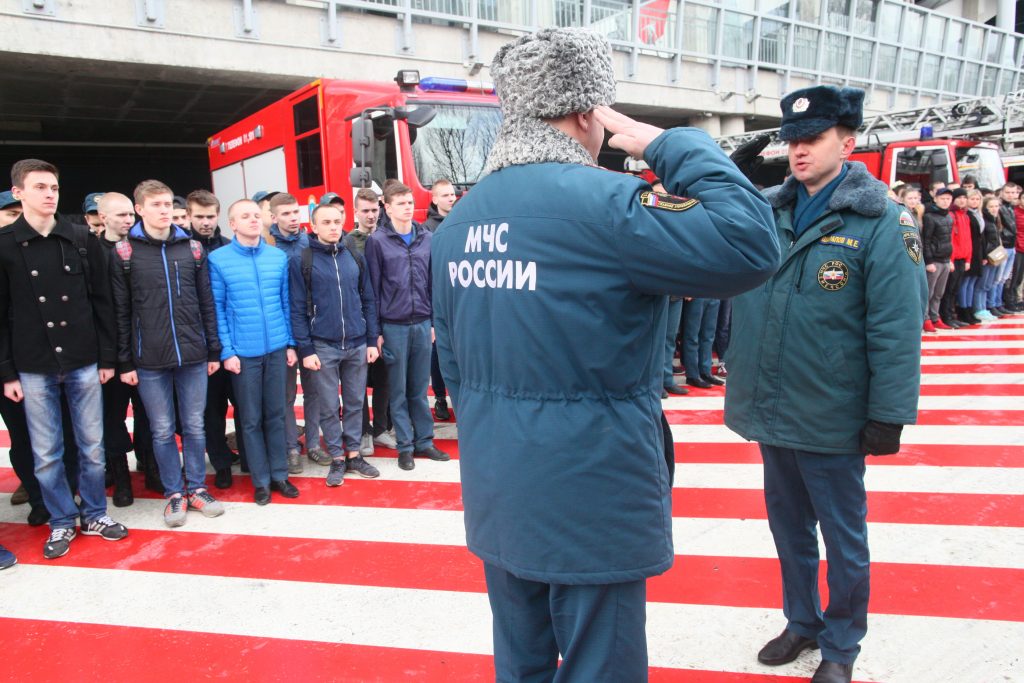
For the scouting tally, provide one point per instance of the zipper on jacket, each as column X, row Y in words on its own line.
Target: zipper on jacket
column 177, row 278
column 341, row 298
column 138, row 333
column 263, row 312
column 170, row 301
column 800, row 270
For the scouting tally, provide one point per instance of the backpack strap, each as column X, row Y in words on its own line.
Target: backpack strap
column 124, row 251
column 81, row 234
column 307, row 276
column 197, row 252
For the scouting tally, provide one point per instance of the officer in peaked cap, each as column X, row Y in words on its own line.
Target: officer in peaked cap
column 824, row 369
column 550, row 287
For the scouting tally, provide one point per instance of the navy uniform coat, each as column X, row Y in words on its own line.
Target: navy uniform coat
column 549, row 292
column 834, row 339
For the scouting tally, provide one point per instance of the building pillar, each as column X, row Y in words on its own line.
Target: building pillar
column 1006, row 15
column 712, row 125
column 733, row 125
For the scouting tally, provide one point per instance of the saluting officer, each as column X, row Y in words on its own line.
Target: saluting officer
column 824, row 367
column 550, row 284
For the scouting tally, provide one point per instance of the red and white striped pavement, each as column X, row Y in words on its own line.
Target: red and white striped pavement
column 372, row 581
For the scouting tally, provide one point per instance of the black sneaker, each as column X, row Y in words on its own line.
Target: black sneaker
column 59, row 543
column 223, row 479
column 261, row 496
column 105, row 528
column 336, row 475
column 285, row 488
column 38, row 516
column 363, row 468
column 433, row 453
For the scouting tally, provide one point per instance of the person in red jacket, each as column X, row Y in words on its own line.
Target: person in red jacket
column 963, row 251
column 960, row 257
column 1017, row 279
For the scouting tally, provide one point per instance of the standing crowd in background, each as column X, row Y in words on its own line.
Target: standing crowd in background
column 142, row 308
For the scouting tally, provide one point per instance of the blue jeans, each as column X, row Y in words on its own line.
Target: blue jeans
column 1005, row 269
column 259, row 388
column 965, row 297
column 158, row 389
column 983, row 288
column 800, row 490
column 407, row 354
column 347, row 367
column 598, row 629
column 700, row 318
column 42, row 412
column 675, row 314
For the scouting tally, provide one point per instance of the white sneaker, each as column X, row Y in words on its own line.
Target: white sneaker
column 366, row 444
column 386, row 439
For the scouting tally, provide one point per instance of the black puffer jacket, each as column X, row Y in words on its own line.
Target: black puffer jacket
column 937, row 235
column 1009, row 232
column 164, row 304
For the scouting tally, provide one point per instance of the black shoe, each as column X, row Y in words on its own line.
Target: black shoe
column 698, row 382
column 675, row 389
column 123, row 496
column 833, row 672
column 711, row 379
column 433, row 453
column 405, row 460
column 441, row 411
column 664, row 394
column 785, row 648
column 285, row 488
column 262, row 496
column 955, row 324
column 38, row 516
column 1001, row 311
column 223, row 479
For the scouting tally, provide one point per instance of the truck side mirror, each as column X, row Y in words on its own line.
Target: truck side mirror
column 362, row 152
column 416, row 116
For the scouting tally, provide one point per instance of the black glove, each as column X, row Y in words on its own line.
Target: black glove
column 747, row 156
column 879, row 438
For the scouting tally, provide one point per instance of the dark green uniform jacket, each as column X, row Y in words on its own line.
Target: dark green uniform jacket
column 834, row 338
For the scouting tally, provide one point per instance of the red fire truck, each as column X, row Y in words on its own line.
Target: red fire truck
column 337, row 136
column 938, row 143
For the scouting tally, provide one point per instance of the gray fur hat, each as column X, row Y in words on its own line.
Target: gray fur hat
column 546, row 75
column 554, row 72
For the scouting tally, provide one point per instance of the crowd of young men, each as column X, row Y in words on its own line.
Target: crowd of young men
column 147, row 305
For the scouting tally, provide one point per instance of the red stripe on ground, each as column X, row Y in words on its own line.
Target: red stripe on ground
column 729, row 581
column 972, row 337
column 965, row 369
column 910, row 454
column 117, row 654
column 966, row 389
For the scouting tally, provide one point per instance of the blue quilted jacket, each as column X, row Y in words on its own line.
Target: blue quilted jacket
column 250, row 290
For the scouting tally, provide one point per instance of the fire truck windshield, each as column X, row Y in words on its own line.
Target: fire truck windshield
column 983, row 163
column 455, row 144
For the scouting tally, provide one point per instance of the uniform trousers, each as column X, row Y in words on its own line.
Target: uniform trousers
column 598, row 629
column 802, row 490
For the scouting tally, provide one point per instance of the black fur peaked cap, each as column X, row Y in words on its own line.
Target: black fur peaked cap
column 809, row 111
column 554, row 72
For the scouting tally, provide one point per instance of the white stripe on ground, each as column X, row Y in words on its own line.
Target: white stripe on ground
column 974, row 379
column 912, row 434
column 980, row 344
column 902, row 543
column 964, row 402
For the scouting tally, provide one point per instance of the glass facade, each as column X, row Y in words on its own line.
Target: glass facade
column 889, row 44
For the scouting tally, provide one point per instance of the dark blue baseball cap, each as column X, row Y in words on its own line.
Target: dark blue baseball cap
column 7, row 199
column 330, row 198
column 810, row 111
column 264, row 194
column 90, row 204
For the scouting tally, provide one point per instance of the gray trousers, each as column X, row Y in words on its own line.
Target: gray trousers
column 347, row 367
column 310, row 409
column 936, row 288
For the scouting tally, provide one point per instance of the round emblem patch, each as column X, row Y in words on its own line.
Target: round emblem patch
column 833, row 275
column 801, row 105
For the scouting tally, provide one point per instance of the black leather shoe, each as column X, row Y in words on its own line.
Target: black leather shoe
column 262, row 496
column 664, row 394
column 223, row 479
column 785, row 648
column 405, row 460
column 711, row 379
column 441, row 411
column 833, row 672
column 698, row 382
column 433, row 453
column 285, row 488
column 677, row 390
column 38, row 516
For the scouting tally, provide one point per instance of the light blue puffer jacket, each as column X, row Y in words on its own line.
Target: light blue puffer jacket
column 250, row 290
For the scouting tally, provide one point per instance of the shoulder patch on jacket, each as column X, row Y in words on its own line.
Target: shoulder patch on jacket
column 906, row 221
column 913, row 245
column 665, row 202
